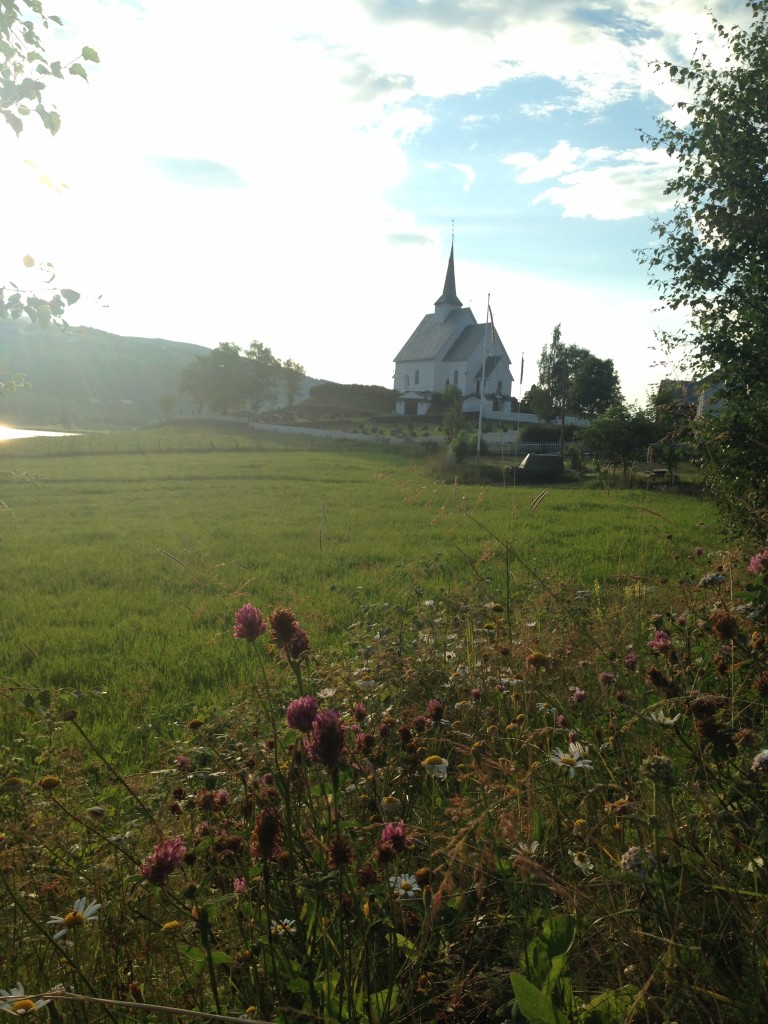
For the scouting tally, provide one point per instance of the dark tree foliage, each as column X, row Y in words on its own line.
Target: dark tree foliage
column 228, row 380
column 572, row 381
column 711, row 256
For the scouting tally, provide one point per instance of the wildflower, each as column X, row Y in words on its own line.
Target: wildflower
column 756, row 865
column 404, row 886
column 537, row 660
column 16, row 1002
column 572, row 759
column 298, row 646
column 582, row 862
column 660, row 718
column 758, row 563
column 712, row 579
column 76, row 917
column 578, row 695
column 630, row 661
column 167, row 856
column 327, row 745
column 249, row 623
column 760, row 762
column 281, row 623
column 183, row 763
column 435, row 709
column 13, row 784
column 340, row 854
column 300, row 713
column 660, row 642
column 526, row 849
column 391, row 806
column 637, row 860
column 266, row 834
column 436, row 767
column 658, row 769
column 239, row 886
column 395, row 834
column 170, row 926
column 284, row 927
column 49, row 782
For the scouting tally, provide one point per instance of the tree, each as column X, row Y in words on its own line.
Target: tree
column 24, row 66
column 291, row 374
column 618, row 437
column 218, row 380
column 711, row 255
column 594, row 387
column 572, row 381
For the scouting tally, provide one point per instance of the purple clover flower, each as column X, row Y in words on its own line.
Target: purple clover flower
column 300, row 714
column 167, row 856
column 249, row 623
column 758, row 563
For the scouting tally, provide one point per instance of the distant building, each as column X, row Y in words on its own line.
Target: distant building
column 450, row 348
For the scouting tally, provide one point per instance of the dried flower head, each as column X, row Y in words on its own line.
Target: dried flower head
column 328, row 741
column 265, row 838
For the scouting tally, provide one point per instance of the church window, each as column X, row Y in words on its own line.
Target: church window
column 447, row 383
column 455, row 378
column 416, row 379
column 407, row 381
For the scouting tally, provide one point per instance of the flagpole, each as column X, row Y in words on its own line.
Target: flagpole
column 519, row 403
column 482, row 380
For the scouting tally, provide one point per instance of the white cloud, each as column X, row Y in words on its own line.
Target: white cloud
column 599, row 182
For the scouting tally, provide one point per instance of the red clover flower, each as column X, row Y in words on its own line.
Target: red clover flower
column 249, row 623
column 168, row 855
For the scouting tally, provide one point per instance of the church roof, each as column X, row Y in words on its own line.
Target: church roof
column 466, row 343
column 433, row 334
column 449, row 296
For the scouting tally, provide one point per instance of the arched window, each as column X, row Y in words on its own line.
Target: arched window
column 447, row 383
column 416, row 379
column 407, row 381
column 455, row 378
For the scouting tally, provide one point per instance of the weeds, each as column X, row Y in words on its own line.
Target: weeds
column 548, row 811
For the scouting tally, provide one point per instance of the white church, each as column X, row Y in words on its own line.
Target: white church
column 449, row 347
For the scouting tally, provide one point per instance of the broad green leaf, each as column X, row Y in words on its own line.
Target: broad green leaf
column 90, row 54
column 70, row 296
column 78, row 69
column 534, row 1005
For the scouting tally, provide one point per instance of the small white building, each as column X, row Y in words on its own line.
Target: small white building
column 450, row 348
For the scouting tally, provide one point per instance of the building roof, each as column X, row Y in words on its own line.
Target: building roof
column 433, row 334
column 449, row 296
column 470, row 338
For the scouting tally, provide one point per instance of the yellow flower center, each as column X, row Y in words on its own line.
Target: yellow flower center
column 73, row 919
column 567, row 759
column 405, row 885
column 23, row 1006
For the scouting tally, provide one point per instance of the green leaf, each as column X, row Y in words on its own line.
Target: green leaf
column 78, row 69
column 13, row 121
column 70, row 296
column 90, row 54
column 610, row 1007
column 534, row 1005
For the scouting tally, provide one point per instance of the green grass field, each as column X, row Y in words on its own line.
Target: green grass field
column 123, row 566
column 521, row 776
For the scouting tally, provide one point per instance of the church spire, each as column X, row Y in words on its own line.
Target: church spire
column 449, row 296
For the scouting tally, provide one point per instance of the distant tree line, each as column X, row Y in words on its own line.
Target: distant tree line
column 230, row 380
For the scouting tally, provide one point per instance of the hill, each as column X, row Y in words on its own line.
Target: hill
column 81, row 377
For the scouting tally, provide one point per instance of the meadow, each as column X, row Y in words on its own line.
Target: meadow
column 306, row 732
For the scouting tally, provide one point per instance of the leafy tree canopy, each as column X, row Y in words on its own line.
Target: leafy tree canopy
column 25, row 69
column 572, row 381
column 228, row 380
column 711, row 255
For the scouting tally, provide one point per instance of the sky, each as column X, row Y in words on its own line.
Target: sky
column 293, row 173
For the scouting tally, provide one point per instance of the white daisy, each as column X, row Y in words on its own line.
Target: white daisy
column 284, row 927
column 404, row 886
column 661, row 719
column 526, row 849
column 19, row 1004
column 79, row 915
column 571, row 759
column 436, row 766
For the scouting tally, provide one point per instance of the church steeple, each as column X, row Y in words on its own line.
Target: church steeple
column 449, row 298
